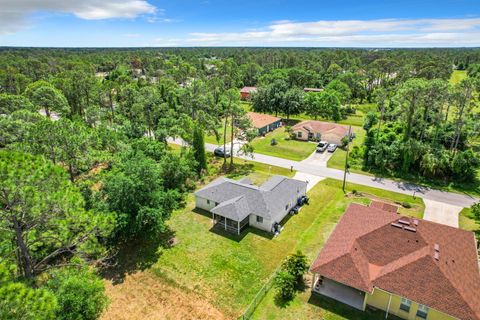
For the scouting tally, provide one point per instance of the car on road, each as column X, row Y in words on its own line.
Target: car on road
column 219, row 152
column 332, row 147
column 322, row 146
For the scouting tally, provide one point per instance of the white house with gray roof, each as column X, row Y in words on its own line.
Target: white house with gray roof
column 236, row 204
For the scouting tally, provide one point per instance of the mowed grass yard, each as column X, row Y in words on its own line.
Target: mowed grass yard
column 457, row 76
column 285, row 148
column 211, row 138
column 355, row 119
column 337, row 160
column 226, row 271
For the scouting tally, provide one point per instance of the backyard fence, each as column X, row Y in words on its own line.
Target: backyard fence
column 259, row 296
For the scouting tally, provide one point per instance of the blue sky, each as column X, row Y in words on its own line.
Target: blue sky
column 125, row 23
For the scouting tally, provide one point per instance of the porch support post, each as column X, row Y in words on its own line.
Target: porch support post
column 388, row 307
column 225, row 222
column 238, row 227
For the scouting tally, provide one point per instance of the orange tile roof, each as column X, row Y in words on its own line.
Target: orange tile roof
column 260, row 120
column 321, row 127
column 248, row 89
column 365, row 251
column 384, row 206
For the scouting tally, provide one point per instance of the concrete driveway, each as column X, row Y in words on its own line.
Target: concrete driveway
column 310, row 179
column 318, row 159
column 441, row 212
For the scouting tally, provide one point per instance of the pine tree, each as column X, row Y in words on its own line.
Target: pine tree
column 199, row 149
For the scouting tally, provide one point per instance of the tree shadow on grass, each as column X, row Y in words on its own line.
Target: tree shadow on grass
column 136, row 255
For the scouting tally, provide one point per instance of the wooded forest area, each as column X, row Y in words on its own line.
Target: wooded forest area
column 86, row 165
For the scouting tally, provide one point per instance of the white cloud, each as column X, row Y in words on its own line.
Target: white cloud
column 382, row 32
column 13, row 13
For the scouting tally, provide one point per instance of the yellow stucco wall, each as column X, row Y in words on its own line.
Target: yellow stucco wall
column 379, row 299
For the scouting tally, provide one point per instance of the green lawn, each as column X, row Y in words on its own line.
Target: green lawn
column 467, row 222
column 327, row 205
column 457, row 76
column 285, row 148
column 229, row 270
column 352, row 119
column 337, row 161
column 212, row 139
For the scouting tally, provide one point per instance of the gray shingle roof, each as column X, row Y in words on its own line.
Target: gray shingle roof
column 267, row 201
column 236, row 209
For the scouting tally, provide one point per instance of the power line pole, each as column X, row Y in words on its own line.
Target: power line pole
column 346, row 159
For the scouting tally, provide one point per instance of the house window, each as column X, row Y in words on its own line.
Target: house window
column 208, row 201
column 259, row 219
column 286, row 207
column 299, row 134
column 318, row 135
column 422, row 311
column 405, row 305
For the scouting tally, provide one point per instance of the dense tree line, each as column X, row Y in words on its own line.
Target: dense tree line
column 425, row 127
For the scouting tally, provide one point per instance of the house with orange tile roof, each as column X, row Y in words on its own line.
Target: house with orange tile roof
column 264, row 122
column 245, row 92
column 408, row 267
column 319, row 130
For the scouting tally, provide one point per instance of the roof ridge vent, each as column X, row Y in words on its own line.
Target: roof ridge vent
column 410, row 229
column 396, row 225
column 405, row 222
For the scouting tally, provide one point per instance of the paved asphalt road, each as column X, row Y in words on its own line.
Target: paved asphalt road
column 456, row 199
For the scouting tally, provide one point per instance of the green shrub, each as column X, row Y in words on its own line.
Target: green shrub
column 285, row 284
column 80, row 294
column 291, row 275
column 296, row 265
column 406, row 205
column 19, row 301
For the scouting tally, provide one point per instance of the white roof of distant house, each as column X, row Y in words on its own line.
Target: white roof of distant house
column 312, row 89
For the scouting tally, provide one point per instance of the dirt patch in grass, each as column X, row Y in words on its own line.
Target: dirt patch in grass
column 144, row 295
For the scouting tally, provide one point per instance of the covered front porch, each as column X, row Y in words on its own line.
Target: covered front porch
column 228, row 224
column 340, row 292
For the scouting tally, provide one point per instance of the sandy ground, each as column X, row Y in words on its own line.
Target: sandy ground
column 441, row 212
column 311, row 179
column 146, row 296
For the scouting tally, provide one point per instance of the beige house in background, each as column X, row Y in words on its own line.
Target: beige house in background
column 319, row 130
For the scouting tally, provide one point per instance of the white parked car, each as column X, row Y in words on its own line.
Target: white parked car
column 332, row 147
column 322, row 146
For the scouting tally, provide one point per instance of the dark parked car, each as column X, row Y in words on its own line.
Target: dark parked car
column 322, row 146
column 332, row 147
column 219, row 152
column 294, row 210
